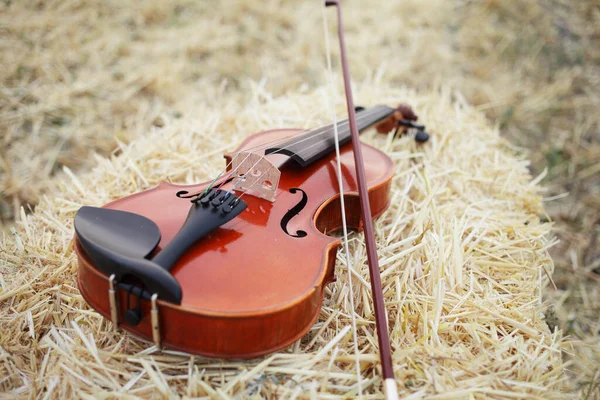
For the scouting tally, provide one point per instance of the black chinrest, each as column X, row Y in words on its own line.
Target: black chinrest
column 123, row 232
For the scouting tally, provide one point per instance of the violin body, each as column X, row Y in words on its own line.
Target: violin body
column 255, row 284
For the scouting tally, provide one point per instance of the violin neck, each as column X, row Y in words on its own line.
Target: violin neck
column 317, row 143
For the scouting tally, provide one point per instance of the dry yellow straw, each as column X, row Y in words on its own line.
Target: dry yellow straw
column 463, row 255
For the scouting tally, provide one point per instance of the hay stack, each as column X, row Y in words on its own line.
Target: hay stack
column 463, row 256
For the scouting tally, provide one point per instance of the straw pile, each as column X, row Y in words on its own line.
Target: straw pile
column 79, row 78
column 463, row 254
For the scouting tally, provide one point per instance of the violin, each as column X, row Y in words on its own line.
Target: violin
column 235, row 267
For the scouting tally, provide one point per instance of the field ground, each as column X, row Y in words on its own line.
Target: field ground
column 77, row 77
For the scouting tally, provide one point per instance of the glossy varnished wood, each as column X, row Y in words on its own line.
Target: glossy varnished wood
column 250, row 288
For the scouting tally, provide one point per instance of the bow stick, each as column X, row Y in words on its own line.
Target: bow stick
column 373, row 261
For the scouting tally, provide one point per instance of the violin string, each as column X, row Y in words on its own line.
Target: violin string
column 231, row 172
column 323, row 130
column 342, row 204
column 221, row 173
column 264, row 145
column 258, row 180
column 316, row 132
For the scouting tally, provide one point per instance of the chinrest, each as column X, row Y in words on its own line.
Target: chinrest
column 122, row 232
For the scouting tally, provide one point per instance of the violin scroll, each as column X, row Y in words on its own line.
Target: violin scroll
column 403, row 119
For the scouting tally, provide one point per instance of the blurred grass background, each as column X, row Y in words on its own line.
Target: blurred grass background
column 78, row 76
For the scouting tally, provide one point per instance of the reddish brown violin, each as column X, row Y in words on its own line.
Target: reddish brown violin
column 234, row 267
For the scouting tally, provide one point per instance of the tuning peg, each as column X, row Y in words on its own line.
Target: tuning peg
column 421, row 136
column 410, row 124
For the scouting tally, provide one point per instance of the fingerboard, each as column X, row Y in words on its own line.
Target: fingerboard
column 317, row 143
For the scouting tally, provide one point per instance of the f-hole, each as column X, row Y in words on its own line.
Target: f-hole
column 292, row 212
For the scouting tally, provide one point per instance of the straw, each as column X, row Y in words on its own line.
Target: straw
column 463, row 252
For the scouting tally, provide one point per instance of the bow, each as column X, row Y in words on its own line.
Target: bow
column 373, row 261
